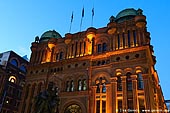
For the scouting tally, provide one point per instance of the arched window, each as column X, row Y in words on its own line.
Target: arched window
column 99, row 48
column 79, row 85
column 98, row 88
column 123, row 35
column 23, row 68
column 134, row 36
column 119, row 84
column 67, row 86
column 12, row 79
column 104, row 88
column 140, row 81
column 14, row 62
column 84, row 85
column 128, row 38
column 72, row 86
column 129, row 81
column 118, row 41
column 61, row 56
column 73, row 109
column 57, row 57
column 104, row 48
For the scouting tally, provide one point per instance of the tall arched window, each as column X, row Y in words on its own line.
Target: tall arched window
column 61, row 56
column 67, row 86
column 134, row 36
column 129, row 81
column 72, row 86
column 119, row 84
column 14, row 62
column 79, row 85
column 104, row 48
column 123, row 35
column 84, row 85
column 118, row 41
column 140, row 81
column 99, row 48
column 104, row 88
column 128, row 38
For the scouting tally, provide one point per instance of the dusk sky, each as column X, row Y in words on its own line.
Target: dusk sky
column 22, row 20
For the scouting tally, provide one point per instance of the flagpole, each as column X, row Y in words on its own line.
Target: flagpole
column 71, row 22
column 92, row 16
column 82, row 18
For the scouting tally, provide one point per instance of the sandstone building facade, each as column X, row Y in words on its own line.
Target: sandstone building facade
column 100, row 70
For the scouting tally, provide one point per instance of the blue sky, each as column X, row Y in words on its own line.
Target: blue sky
column 22, row 20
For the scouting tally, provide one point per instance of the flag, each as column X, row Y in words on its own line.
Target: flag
column 83, row 12
column 93, row 11
column 72, row 17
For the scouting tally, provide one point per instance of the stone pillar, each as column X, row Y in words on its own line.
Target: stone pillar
column 108, row 98
column 92, row 105
column 114, row 94
column 135, row 95
column 124, row 90
column 147, row 92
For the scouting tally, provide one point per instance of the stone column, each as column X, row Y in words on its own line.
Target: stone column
column 135, row 95
column 124, row 90
column 114, row 94
column 92, row 105
column 147, row 92
column 108, row 98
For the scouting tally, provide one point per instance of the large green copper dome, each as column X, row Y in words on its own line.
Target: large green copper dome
column 49, row 34
column 126, row 14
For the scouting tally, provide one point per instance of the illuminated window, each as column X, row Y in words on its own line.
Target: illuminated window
column 140, row 81
column 14, row 62
column 73, row 109
column 12, row 79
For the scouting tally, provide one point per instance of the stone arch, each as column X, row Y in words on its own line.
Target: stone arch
column 139, row 69
column 15, row 60
column 118, row 72
column 128, row 70
column 101, row 74
column 72, row 102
